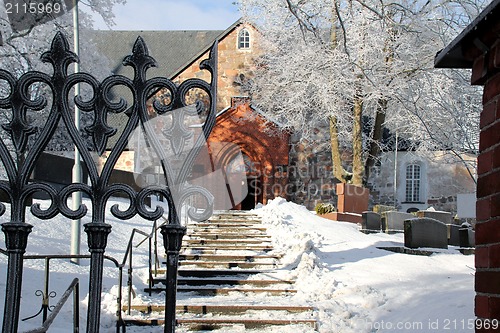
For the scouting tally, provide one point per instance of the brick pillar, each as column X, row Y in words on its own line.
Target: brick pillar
column 487, row 279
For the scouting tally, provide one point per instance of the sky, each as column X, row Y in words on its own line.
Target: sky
column 173, row 15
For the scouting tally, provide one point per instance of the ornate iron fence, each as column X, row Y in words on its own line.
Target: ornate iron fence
column 20, row 161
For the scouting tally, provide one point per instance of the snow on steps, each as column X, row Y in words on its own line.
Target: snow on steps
column 228, row 278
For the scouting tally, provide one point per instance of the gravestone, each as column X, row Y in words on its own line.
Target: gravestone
column 394, row 221
column 453, row 234
column 371, row 222
column 466, row 206
column 467, row 237
column 425, row 232
column 352, row 201
column 444, row 217
column 351, row 198
column 382, row 208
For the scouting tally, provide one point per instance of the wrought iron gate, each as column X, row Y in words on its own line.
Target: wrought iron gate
column 20, row 161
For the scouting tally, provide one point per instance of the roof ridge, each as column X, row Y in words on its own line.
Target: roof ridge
column 205, row 49
column 152, row 31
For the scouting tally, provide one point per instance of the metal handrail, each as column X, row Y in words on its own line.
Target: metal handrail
column 45, row 294
column 153, row 249
column 153, row 264
column 127, row 257
column 74, row 288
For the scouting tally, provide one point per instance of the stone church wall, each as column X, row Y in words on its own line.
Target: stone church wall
column 235, row 66
column 310, row 170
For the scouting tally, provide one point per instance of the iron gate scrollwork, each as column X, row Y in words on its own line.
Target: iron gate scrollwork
column 20, row 164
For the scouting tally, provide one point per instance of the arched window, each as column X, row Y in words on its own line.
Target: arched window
column 413, row 178
column 244, row 39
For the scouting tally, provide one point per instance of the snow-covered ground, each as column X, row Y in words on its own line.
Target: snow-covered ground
column 360, row 288
column 355, row 286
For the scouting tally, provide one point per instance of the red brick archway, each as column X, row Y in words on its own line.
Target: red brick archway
column 241, row 129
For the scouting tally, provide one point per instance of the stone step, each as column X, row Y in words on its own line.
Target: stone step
column 228, row 225
column 228, row 257
column 225, row 281
column 212, row 236
column 234, row 212
column 228, row 264
column 214, row 291
column 219, row 309
column 224, row 241
column 224, row 251
column 235, row 227
column 225, row 248
column 226, row 229
column 234, row 220
column 235, row 217
column 222, row 264
column 190, row 272
column 216, row 323
column 226, row 221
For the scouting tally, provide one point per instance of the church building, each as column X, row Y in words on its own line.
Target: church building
column 276, row 163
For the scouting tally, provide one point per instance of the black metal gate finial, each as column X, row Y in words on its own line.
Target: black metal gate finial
column 19, row 188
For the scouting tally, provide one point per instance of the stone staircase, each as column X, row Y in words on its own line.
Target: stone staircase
column 229, row 279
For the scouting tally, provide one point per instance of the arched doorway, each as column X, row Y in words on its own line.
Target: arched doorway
column 262, row 147
column 253, row 185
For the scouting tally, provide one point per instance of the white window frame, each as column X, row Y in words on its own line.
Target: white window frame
column 413, row 182
column 244, row 39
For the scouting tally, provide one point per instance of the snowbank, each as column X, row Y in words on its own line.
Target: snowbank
column 357, row 287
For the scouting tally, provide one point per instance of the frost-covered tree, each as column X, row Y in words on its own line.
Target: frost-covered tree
column 338, row 62
column 21, row 50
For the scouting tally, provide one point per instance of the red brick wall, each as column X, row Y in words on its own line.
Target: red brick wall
column 260, row 140
column 486, row 71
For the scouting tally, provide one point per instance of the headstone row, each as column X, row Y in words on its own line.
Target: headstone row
column 429, row 229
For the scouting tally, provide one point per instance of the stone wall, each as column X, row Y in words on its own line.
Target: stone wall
column 310, row 170
column 444, row 204
column 443, row 176
column 235, row 66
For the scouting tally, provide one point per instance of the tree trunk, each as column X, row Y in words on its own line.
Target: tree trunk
column 333, row 28
column 357, row 142
column 374, row 151
column 338, row 170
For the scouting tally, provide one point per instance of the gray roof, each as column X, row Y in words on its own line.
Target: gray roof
column 172, row 50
